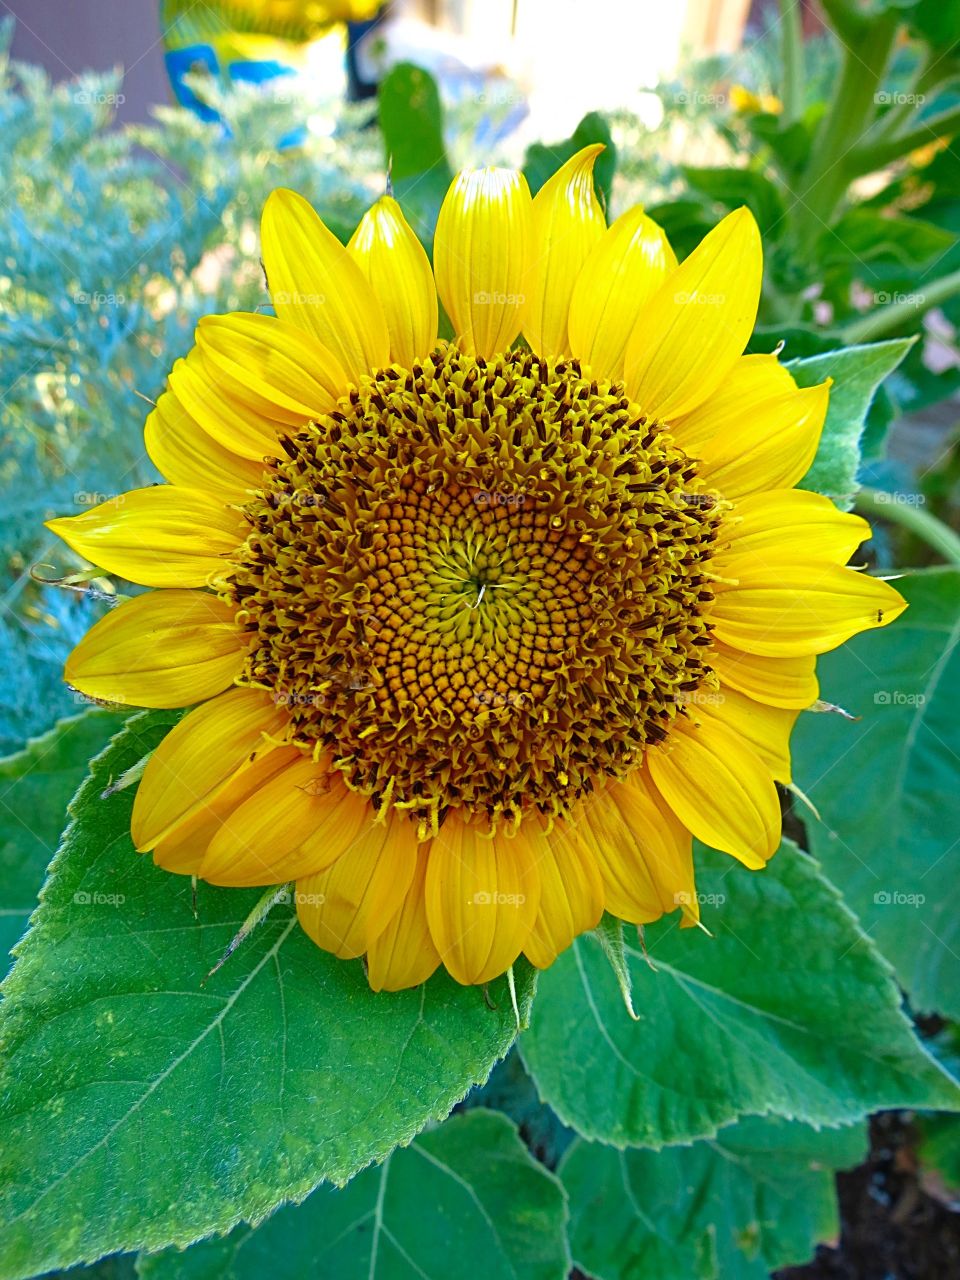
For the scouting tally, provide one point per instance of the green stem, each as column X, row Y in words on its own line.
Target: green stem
column 851, row 112
column 791, row 52
column 868, row 159
column 888, row 319
column 909, row 516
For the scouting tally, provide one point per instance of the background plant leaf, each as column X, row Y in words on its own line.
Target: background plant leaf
column 788, row 1010
column 758, row 1196
column 141, row 1108
column 461, row 1193
column 888, row 787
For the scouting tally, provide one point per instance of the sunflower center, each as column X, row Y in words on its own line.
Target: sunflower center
column 479, row 584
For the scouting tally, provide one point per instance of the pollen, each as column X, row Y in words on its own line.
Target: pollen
column 479, row 584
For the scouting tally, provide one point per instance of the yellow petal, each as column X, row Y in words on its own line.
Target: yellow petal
column 790, row 524
column 274, row 367
column 567, row 223
column 165, row 536
column 780, row 682
column 753, row 382
column 316, row 285
column 199, row 756
column 298, row 825
column 392, row 259
column 482, row 254
column 482, row 899
column 645, row 854
column 571, row 894
column 184, row 847
column 363, row 890
column 719, row 789
column 236, row 426
column 163, row 649
column 185, row 454
column 403, row 954
column 798, row 607
column 771, row 450
column 625, row 268
column 766, row 728
column 692, row 331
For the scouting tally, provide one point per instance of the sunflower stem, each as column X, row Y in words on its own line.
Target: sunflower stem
column 912, row 517
column 887, row 319
column 791, row 53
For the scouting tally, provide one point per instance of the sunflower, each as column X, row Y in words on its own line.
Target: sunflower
column 477, row 633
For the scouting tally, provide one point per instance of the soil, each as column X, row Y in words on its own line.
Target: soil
column 892, row 1228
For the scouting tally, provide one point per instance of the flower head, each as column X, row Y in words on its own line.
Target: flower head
column 481, row 632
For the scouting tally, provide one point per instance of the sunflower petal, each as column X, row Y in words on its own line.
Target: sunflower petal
column 567, row 223
column 689, row 336
column 767, row 729
column 753, row 382
column 625, row 268
column 719, row 789
column 274, row 367
column 248, row 432
column 403, row 954
column 571, row 895
column 796, row 607
column 367, row 884
column 198, row 757
column 165, row 536
column 185, row 454
column 392, row 259
column 482, row 252
column 482, row 898
column 645, row 854
column 771, row 450
column 779, row 682
column 316, row 285
column 791, row 523
column 163, row 649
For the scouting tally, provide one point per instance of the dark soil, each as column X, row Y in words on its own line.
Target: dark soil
column 892, row 1229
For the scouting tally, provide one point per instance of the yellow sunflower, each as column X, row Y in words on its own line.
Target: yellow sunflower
column 480, row 631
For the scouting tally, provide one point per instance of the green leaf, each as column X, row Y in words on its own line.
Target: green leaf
column 35, row 786
column 465, row 1192
column 732, row 188
column 857, row 373
column 788, row 1010
column 411, row 118
column 140, row 1107
column 757, row 1197
column 543, row 161
column 886, row 787
column 866, row 234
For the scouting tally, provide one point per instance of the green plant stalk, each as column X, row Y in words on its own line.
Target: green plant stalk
column 928, row 528
column 791, row 51
column 885, row 151
column 826, row 178
column 885, row 320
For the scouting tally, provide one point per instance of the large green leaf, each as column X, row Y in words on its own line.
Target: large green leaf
column 463, row 1199
column 543, row 160
column 788, row 1010
column 141, row 1106
column 888, row 787
column 857, row 373
column 35, row 787
column 411, row 117
column 758, row 1196
column 731, row 188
